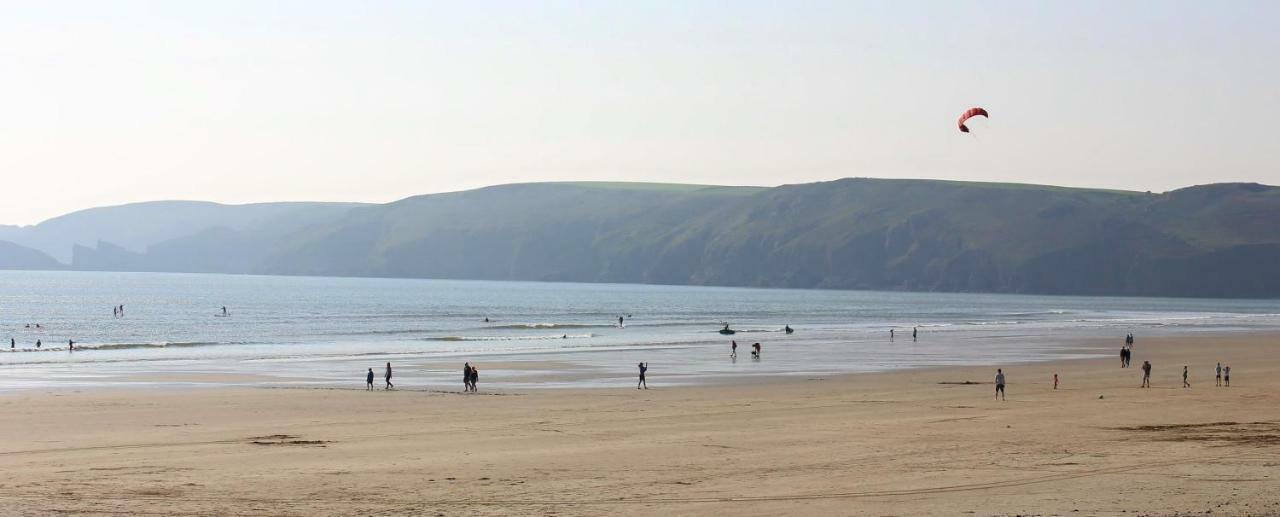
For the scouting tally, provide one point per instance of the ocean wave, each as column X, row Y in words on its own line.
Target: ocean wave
column 132, row 346
column 550, row 326
column 509, row 338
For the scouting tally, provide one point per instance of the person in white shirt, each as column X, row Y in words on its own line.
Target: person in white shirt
column 1000, row 383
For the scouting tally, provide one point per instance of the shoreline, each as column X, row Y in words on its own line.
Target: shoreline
column 916, row 442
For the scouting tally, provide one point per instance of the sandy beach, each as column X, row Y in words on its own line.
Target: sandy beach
column 906, row 443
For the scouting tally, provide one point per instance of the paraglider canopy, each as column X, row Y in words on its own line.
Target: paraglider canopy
column 968, row 114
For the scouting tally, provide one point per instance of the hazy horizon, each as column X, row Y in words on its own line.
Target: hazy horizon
column 241, row 102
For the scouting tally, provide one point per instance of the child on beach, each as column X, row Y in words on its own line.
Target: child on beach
column 1000, row 383
column 475, row 378
column 1226, row 376
column 368, row 381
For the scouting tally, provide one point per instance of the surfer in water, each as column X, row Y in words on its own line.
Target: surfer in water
column 788, row 329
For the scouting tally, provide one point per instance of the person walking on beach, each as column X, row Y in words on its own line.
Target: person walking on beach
column 368, row 381
column 913, row 333
column 733, row 349
column 1124, row 357
column 71, row 345
column 619, row 321
column 644, row 367
column 388, row 378
column 475, row 379
column 1185, row 383
column 1055, row 381
column 755, row 351
column 1146, row 374
column 37, row 343
column 1226, row 376
column 466, row 377
column 1000, row 384
column 1217, row 378
column 890, row 334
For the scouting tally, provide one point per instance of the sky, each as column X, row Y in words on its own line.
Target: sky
column 104, row 103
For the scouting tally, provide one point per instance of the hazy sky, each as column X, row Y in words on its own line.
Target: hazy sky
column 114, row 102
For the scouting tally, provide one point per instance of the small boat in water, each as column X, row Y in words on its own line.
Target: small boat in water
column 727, row 331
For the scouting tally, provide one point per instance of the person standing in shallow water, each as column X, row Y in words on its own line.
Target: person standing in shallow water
column 644, row 367
column 368, row 381
column 733, row 348
column 388, row 378
column 913, row 333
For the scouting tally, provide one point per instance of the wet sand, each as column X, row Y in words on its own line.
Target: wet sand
column 905, row 443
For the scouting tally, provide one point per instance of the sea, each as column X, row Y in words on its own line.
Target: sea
column 313, row 332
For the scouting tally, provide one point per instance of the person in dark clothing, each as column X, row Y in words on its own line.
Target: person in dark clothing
column 644, row 367
column 466, row 377
column 733, row 348
column 1146, row 374
column 388, row 377
column 368, row 381
column 475, row 378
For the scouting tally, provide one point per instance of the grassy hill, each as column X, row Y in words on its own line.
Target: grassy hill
column 852, row 233
column 1212, row 240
